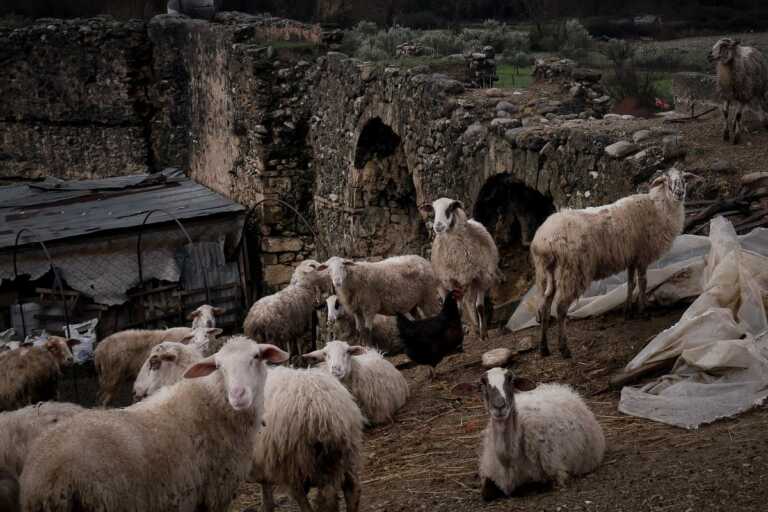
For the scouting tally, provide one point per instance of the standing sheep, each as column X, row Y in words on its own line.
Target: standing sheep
column 380, row 389
column 742, row 78
column 540, row 435
column 575, row 247
column 313, row 432
column 205, row 316
column 341, row 325
column 400, row 284
column 285, row 317
column 187, row 448
column 464, row 257
column 18, row 429
column 31, row 374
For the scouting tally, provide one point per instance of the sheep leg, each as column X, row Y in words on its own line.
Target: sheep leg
column 327, row 499
column 726, row 108
column 642, row 282
column 299, row 495
column 562, row 310
column 480, row 312
column 352, row 491
column 631, row 272
column 545, row 313
column 490, row 491
column 737, row 123
column 267, row 498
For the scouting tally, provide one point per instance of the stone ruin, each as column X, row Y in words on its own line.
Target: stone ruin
column 255, row 109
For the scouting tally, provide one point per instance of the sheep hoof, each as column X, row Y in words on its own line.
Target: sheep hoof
column 565, row 352
column 490, row 490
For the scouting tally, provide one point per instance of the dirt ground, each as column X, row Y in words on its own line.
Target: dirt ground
column 427, row 459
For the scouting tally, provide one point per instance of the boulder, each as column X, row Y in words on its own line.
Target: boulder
column 621, row 149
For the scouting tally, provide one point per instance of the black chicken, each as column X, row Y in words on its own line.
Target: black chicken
column 428, row 341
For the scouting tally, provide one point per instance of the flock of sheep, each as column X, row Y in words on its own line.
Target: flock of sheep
column 212, row 413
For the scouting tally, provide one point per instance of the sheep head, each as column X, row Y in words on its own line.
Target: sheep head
column 673, row 183
column 161, row 369
column 338, row 269
column 498, row 387
column 724, row 50
column 61, row 349
column 448, row 214
column 338, row 357
column 309, row 272
column 200, row 337
column 243, row 369
column 205, row 316
column 335, row 309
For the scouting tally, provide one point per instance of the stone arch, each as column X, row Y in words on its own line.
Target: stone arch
column 512, row 211
column 381, row 193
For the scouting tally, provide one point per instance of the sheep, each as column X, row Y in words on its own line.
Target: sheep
column 18, row 429
column 313, row 432
column 464, row 257
column 285, row 317
column 188, row 447
column 31, row 374
column 341, row 326
column 165, row 366
column 313, row 437
column 400, row 284
column 535, row 435
column 574, row 247
column 118, row 357
column 9, row 492
column 742, row 78
column 205, row 316
column 380, row 389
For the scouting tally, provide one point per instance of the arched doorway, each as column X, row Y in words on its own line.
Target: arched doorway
column 512, row 212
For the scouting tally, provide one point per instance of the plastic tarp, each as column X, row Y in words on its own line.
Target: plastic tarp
column 720, row 344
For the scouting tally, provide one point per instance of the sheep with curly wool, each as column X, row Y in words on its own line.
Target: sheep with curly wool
column 188, row 447
column 312, row 434
column 341, row 325
column 464, row 257
column 19, row 428
column 572, row 248
column 380, row 389
column 400, row 284
column 165, row 366
column 118, row 358
column 205, row 316
column 30, row 374
column 535, row 435
column 285, row 317
column 742, row 78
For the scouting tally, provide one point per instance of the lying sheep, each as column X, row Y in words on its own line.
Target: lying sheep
column 188, row 447
column 118, row 357
column 341, row 325
column 31, row 374
column 18, row 429
column 313, row 432
column 205, row 316
column 742, row 78
column 574, row 247
column 380, row 389
column 464, row 257
column 285, row 317
column 539, row 435
column 165, row 366
column 401, row 284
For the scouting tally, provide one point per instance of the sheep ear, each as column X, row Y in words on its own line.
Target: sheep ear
column 456, row 204
column 523, row 384
column 322, row 267
column 219, row 311
column 273, row 354
column 201, row 369
column 154, row 362
column 187, row 338
column 348, row 263
column 50, row 346
column 356, row 350
column 659, row 181
column 691, row 176
column 427, row 209
column 317, row 355
column 214, row 331
column 71, row 342
column 193, row 315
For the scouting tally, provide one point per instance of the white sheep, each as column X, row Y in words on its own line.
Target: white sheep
column 742, row 78
column 205, row 316
column 285, row 317
column 118, row 357
column 400, row 284
column 31, row 374
column 464, row 257
column 165, row 366
column 312, row 434
column 18, row 429
column 535, row 435
column 341, row 325
column 188, row 447
column 380, row 389
column 574, row 247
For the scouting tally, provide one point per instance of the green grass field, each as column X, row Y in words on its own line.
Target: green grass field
column 509, row 78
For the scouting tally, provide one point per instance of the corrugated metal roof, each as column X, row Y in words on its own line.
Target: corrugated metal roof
column 55, row 209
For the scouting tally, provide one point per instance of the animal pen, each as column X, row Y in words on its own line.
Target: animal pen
column 136, row 251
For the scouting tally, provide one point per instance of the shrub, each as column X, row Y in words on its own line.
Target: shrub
column 443, row 42
column 626, row 80
column 422, row 20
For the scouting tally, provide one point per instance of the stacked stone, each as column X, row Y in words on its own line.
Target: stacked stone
column 412, row 49
column 584, row 86
column 481, row 68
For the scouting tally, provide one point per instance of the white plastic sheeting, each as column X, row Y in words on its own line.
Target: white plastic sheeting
column 720, row 343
